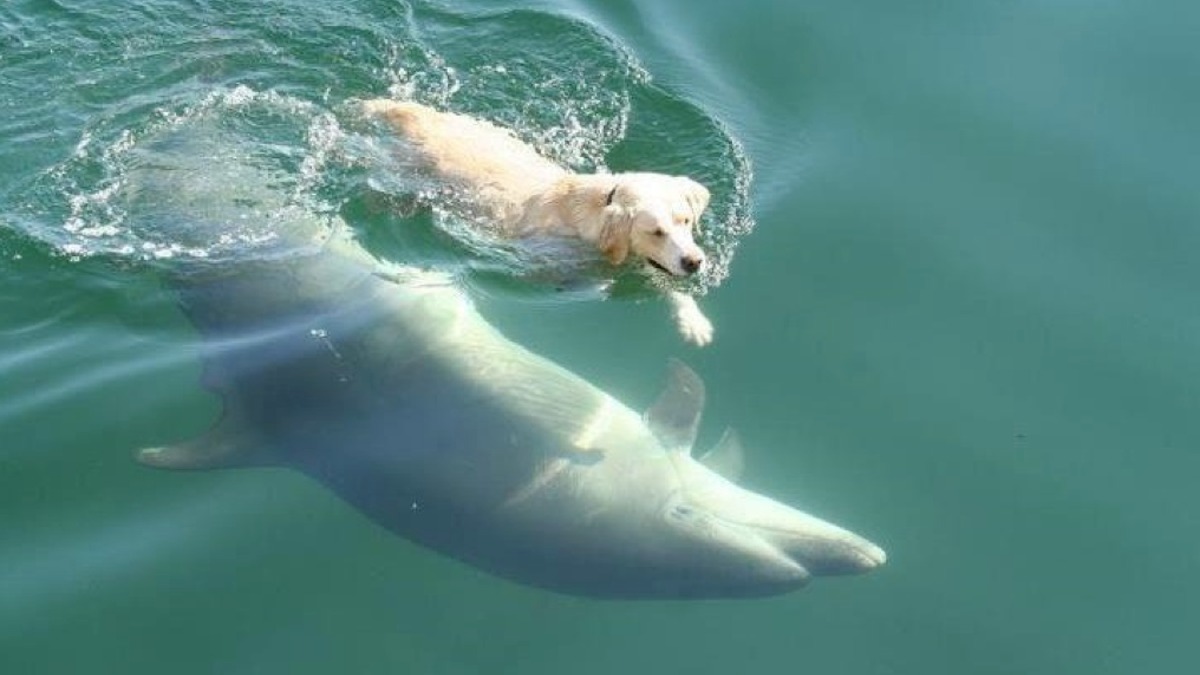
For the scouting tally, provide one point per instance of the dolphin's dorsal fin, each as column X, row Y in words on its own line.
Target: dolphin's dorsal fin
column 726, row 457
column 226, row 445
column 675, row 416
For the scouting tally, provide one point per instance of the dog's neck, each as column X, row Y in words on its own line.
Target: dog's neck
column 573, row 206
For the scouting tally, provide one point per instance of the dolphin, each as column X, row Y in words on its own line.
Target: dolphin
column 387, row 386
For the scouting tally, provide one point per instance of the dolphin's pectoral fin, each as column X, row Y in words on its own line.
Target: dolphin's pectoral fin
column 225, row 445
column 675, row 416
column 726, row 457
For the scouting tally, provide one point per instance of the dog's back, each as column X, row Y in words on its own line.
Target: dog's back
column 476, row 154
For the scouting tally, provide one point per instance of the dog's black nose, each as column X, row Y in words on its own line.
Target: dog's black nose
column 690, row 263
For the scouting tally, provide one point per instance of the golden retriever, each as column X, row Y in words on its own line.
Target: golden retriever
column 647, row 215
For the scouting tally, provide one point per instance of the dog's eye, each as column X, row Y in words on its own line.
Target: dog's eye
column 659, row 232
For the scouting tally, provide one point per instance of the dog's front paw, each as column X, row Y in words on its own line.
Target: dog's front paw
column 694, row 326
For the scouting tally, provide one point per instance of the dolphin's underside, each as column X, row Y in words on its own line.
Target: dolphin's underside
column 393, row 391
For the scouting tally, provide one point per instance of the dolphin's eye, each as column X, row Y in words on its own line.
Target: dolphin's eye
column 682, row 511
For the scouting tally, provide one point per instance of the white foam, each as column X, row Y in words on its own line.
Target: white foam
column 93, row 182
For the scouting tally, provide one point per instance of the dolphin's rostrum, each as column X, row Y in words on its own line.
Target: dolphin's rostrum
column 393, row 391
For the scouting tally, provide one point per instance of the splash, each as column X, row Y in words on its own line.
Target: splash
column 578, row 96
column 291, row 140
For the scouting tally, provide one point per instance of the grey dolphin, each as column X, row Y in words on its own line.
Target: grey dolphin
column 391, row 389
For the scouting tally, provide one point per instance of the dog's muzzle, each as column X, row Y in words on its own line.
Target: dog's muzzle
column 691, row 264
column 658, row 266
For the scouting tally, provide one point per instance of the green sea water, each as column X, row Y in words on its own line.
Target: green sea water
column 954, row 298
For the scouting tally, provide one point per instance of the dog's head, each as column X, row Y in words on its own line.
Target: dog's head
column 654, row 216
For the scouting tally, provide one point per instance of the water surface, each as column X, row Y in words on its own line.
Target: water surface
column 954, row 307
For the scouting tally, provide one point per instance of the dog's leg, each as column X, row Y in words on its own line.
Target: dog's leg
column 692, row 324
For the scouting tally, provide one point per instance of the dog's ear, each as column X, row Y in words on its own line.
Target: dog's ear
column 696, row 195
column 614, row 238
